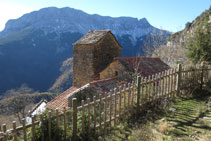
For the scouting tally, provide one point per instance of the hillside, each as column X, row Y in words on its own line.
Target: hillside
column 176, row 43
column 181, row 38
column 64, row 81
column 34, row 46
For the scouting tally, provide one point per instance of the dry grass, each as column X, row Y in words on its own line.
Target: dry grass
column 8, row 119
column 163, row 126
column 190, row 121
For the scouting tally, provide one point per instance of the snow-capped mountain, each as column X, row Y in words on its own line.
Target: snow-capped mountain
column 59, row 20
column 33, row 47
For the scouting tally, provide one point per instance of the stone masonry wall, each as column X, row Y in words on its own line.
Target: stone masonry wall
column 116, row 69
column 104, row 53
column 82, row 65
column 90, row 60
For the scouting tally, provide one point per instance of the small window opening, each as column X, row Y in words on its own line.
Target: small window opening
column 116, row 73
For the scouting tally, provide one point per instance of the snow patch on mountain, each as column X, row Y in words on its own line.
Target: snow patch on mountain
column 66, row 19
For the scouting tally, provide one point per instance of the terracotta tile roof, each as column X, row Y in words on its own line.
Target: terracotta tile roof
column 100, row 86
column 96, row 76
column 105, row 85
column 92, row 37
column 61, row 100
column 144, row 66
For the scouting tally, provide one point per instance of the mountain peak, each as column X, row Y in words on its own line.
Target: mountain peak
column 43, row 40
column 53, row 19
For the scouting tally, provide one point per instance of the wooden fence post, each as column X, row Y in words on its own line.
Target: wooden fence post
column 83, row 120
column 94, row 114
column 5, row 131
column 42, row 128
column 138, row 94
column 124, row 98
column 49, row 125
column 120, row 102
column 105, row 113
column 168, row 83
column 14, row 131
column 74, row 102
column 57, row 118
column 132, row 100
column 33, row 128
column 202, row 75
column 149, row 87
column 152, row 87
column 65, row 123
column 179, row 72
column 171, row 78
column 160, row 84
column 88, row 115
column 115, row 106
column 24, row 129
column 100, row 114
column 128, row 98
column 110, row 109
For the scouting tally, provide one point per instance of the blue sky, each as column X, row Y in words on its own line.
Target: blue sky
column 171, row 15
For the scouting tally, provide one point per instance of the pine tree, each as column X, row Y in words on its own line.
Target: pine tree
column 199, row 46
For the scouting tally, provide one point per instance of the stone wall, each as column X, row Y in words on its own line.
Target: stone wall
column 83, row 94
column 83, row 67
column 104, row 52
column 116, row 69
column 89, row 60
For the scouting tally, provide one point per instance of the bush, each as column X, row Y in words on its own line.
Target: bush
column 199, row 46
column 56, row 133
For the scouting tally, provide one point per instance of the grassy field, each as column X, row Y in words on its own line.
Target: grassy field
column 185, row 119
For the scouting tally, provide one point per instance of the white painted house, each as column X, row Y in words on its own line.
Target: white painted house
column 38, row 109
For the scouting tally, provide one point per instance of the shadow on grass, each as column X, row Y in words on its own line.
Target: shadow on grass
column 149, row 113
column 185, row 120
column 189, row 111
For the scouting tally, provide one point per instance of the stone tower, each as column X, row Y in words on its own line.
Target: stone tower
column 93, row 53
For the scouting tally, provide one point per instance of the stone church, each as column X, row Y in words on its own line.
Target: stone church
column 93, row 53
column 98, row 67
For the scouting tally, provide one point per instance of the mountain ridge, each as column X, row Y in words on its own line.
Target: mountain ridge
column 34, row 46
column 176, row 43
column 57, row 19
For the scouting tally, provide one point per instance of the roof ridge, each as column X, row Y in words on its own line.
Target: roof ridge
column 141, row 57
column 37, row 105
column 104, row 80
column 92, row 37
column 100, row 30
column 62, row 93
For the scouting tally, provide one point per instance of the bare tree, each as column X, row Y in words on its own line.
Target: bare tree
column 154, row 41
column 170, row 55
column 16, row 105
column 23, row 89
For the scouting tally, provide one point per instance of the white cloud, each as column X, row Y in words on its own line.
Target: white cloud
column 11, row 11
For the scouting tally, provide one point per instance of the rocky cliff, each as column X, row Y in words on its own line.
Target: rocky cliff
column 179, row 39
column 176, row 43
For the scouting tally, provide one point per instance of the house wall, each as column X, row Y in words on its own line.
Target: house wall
column 83, row 68
column 104, row 52
column 83, row 93
column 115, row 69
column 40, row 109
column 89, row 60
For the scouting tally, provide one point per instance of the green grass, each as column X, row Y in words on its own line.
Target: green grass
column 190, row 121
